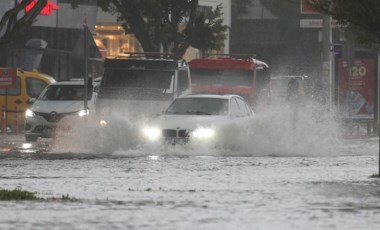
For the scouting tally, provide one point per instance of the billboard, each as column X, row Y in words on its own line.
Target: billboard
column 360, row 100
column 307, row 9
column 8, row 78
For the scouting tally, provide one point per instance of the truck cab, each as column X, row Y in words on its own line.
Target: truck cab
column 226, row 74
column 141, row 84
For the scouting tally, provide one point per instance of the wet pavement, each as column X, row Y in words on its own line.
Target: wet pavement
column 197, row 189
column 15, row 143
column 281, row 177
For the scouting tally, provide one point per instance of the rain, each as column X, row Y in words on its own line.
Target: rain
column 287, row 163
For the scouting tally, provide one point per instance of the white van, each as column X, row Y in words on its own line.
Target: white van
column 60, row 104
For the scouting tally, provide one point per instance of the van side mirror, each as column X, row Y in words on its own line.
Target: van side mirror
column 31, row 100
column 96, row 89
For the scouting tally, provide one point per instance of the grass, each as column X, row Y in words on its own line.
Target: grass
column 18, row 194
column 375, row 176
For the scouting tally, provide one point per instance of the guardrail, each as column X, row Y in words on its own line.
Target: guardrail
column 7, row 127
column 360, row 127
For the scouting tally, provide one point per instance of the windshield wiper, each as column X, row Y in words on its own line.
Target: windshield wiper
column 172, row 112
column 197, row 112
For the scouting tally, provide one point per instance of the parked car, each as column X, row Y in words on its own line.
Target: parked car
column 15, row 101
column 58, row 106
column 197, row 118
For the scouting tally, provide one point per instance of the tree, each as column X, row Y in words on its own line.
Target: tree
column 362, row 17
column 13, row 26
column 240, row 8
column 168, row 25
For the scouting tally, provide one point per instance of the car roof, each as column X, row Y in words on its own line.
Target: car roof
column 72, row 82
column 225, row 96
column 289, row 77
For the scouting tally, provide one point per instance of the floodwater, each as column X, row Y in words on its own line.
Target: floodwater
column 283, row 176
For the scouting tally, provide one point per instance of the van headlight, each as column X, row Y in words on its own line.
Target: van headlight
column 203, row 133
column 151, row 133
column 29, row 113
column 102, row 123
column 83, row 112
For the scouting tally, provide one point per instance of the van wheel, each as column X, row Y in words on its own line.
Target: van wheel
column 30, row 138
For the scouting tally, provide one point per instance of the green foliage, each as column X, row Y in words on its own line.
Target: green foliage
column 361, row 17
column 16, row 194
column 14, row 23
column 375, row 176
column 206, row 34
column 171, row 25
column 240, row 7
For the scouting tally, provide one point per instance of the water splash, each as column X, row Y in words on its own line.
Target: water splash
column 285, row 130
column 279, row 130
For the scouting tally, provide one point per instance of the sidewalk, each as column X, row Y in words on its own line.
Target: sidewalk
column 11, row 142
column 11, row 138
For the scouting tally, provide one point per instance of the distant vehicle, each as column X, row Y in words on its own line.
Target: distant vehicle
column 281, row 85
column 29, row 84
column 225, row 74
column 60, row 104
column 197, row 118
column 141, row 84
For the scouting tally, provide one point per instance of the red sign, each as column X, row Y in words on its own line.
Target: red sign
column 360, row 99
column 307, row 9
column 8, row 78
column 47, row 10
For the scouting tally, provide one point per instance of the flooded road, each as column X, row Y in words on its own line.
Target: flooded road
column 282, row 176
column 144, row 190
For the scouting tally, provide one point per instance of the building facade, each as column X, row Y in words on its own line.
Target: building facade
column 113, row 40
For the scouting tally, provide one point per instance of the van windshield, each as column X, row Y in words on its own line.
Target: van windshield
column 64, row 93
column 225, row 77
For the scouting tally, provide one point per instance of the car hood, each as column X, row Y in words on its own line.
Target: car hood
column 57, row 106
column 188, row 121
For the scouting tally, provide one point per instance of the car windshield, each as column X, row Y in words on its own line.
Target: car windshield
column 64, row 93
column 199, row 106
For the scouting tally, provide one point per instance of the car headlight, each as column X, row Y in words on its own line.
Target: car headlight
column 152, row 133
column 29, row 113
column 203, row 133
column 83, row 112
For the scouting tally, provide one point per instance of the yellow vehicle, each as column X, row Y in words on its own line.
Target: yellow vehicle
column 15, row 101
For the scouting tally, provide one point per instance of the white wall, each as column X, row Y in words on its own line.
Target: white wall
column 84, row 14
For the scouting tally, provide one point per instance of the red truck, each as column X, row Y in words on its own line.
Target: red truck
column 224, row 74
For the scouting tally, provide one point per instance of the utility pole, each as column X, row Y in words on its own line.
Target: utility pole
column 85, row 59
column 378, row 101
column 327, row 78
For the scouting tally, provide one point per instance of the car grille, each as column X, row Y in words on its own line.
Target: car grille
column 176, row 133
column 53, row 117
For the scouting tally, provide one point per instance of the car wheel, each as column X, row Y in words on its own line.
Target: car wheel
column 30, row 138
